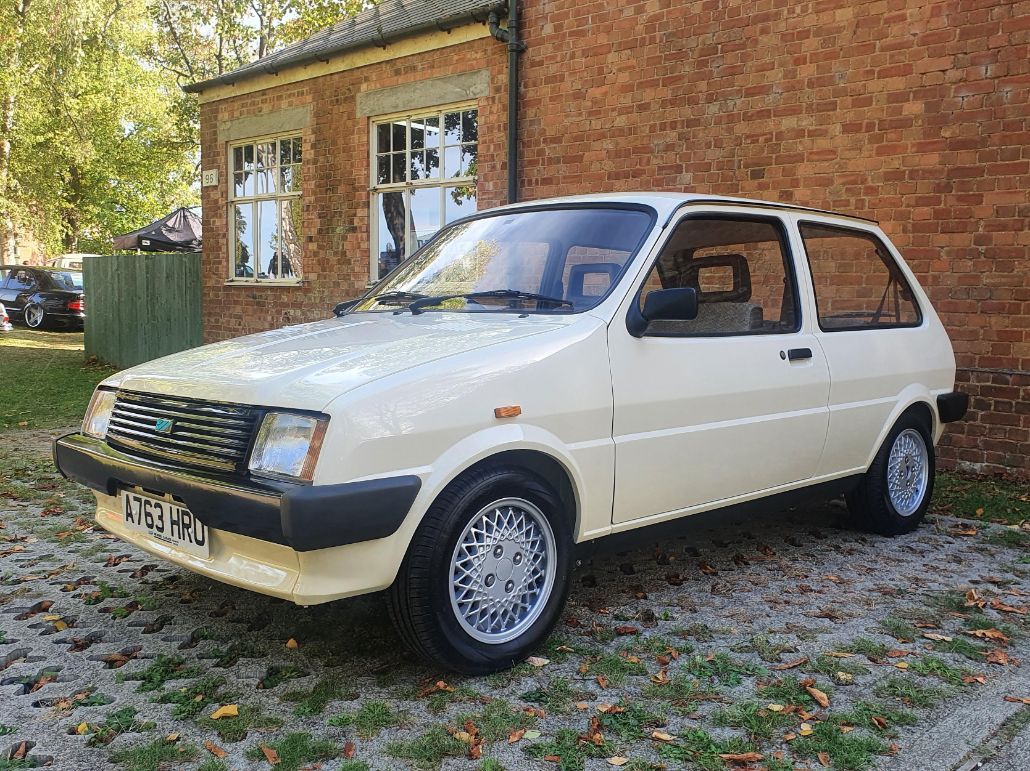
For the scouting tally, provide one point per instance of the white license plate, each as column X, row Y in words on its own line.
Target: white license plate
column 165, row 521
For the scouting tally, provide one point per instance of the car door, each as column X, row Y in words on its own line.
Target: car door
column 5, row 293
column 732, row 402
column 19, row 286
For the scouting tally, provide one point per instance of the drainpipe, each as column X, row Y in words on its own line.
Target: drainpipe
column 510, row 36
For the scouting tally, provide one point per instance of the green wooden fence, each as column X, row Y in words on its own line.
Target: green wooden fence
column 141, row 306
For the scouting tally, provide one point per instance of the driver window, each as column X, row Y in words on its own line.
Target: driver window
column 741, row 271
column 21, row 279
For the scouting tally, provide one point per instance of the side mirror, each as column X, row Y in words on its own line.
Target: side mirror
column 673, row 304
column 343, row 307
column 678, row 304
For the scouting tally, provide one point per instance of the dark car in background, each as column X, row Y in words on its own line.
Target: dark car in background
column 43, row 297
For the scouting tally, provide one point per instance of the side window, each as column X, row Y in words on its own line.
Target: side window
column 21, row 279
column 741, row 270
column 858, row 284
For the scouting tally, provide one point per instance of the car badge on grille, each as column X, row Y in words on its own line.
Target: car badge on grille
column 163, row 426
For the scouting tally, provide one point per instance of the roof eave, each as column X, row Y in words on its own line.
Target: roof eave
column 323, row 55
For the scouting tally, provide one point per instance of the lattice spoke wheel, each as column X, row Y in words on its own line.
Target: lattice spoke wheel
column 502, row 570
column 908, row 471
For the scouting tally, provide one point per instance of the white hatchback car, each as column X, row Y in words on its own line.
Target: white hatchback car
column 535, row 379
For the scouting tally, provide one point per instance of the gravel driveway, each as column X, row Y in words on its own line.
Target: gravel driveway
column 777, row 642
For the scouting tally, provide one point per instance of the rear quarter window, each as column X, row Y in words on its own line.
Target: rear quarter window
column 858, row 283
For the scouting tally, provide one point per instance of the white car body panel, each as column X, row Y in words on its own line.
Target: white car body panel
column 645, row 429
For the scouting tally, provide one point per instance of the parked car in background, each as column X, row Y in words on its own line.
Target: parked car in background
column 71, row 261
column 43, row 297
column 534, row 379
column 5, row 320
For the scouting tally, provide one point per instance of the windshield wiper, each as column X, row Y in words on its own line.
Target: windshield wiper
column 503, row 294
column 398, row 298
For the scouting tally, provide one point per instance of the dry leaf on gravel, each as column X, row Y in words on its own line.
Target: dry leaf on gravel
column 824, row 759
column 214, row 749
column 538, row 661
column 936, row 637
column 617, row 760
column 999, row 605
column 821, row 698
column 990, row 634
column 661, row 736
column 226, row 710
column 791, row 664
column 742, row 757
column 1018, row 699
column 292, row 644
column 516, row 736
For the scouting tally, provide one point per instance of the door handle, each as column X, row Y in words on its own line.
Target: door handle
column 796, row 354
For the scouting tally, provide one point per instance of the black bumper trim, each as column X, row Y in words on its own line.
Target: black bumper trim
column 303, row 517
column 953, row 406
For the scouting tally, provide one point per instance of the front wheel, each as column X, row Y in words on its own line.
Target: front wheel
column 895, row 493
column 486, row 574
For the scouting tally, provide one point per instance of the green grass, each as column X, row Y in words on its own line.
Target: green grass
column 190, row 700
column 429, row 749
column 497, row 720
column 961, row 646
column 875, row 717
column 557, row 697
column 314, row 701
column 296, row 750
column 154, row 755
column 766, row 648
column 722, row 668
column 1008, row 537
column 566, row 746
column 759, row 723
column 635, row 722
column 932, row 666
column 984, row 498
column 54, row 380
column 696, row 747
column 277, row 675
column 163, row 669
column 117, row 722
column 863, row 646
column 899, row 629
column 235, row 729
column 438, row 701
column 848, row 752
column 790, row 691
column 830, row 666
column 908, row 692
column 616, row 668
column 682, row 691
column 369, row 719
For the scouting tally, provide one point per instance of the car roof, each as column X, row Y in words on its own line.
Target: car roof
column 666, row 204
column 45, row 268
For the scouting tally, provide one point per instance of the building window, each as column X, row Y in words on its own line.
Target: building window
column 423, row 176
column 265, row 210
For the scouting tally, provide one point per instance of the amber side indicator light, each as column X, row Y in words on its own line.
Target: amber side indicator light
column 508, row 412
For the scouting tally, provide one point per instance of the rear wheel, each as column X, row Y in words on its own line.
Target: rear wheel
column 486, row 574
column 33, row 315
column 895, row 493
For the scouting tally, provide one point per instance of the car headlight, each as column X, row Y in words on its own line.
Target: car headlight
column 98, row 414
column 287, row 445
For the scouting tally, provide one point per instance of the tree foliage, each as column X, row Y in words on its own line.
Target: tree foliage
column 96, row 136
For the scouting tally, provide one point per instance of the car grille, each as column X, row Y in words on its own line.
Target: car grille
column 185, row 432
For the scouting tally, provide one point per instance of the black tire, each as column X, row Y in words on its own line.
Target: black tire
column 34, row 316
column 420, row 598
column 870, row 505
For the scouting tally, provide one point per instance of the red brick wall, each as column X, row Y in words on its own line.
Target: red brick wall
column 911, row 112
column 335, row 186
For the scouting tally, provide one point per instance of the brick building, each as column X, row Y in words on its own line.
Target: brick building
column 328, row 161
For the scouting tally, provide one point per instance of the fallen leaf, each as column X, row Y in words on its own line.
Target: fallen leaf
column 846, row 729
column 172, row 738
column 742, row 757
column 349, row 750
column 970, row 679
column 582, row 705
column 967, row 530
column 617, row 760
column 839, row 655
column 999, row 605
column 625, row 630
column 902, row 665
column 214, row 749
column 997, row 656
column 20, row 752
column 1018, row 699
column 972, row 598
column 791, row 664
column 990, row 634
column 661, row 677
column 774, row 707
column 936, row 637
column 897, row 653
column 824, row 759
column 516, row 736
column 805, row 730
column 821, row 698
column 661, row 736
column 602, row 681
column 83, row 727
column 879, row 722
column 227, row 710
column 538, row 661
column 707, row 569
column 292, row 644
column 532, row 733
column 270, row 755
column 612, row 709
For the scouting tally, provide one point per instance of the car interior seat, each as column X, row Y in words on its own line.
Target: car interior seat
column 591, row 280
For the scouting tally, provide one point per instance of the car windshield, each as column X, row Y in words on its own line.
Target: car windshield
column 534, row 261
column 66, row 279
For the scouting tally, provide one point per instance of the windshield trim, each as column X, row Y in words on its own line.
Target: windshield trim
column 508, row 210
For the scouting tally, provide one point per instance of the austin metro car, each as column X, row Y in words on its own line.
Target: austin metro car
column 535, row 380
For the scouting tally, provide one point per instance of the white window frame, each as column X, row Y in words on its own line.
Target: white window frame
column 441, row 183
column 278, row 197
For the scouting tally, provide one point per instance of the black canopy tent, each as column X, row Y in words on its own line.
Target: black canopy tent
column 180, row 231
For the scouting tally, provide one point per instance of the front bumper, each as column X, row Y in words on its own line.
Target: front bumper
column 302, row 517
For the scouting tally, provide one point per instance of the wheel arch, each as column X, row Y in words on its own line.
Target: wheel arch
column 917, row 401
